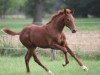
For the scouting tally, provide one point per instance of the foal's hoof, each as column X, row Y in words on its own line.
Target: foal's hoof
column 64, row 64
column 84, row 68
column 50, row 73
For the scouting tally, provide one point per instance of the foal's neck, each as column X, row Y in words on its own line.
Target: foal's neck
column 58, row 24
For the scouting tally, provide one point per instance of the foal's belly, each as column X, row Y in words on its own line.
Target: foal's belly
column 40, row 42
column 38, row 38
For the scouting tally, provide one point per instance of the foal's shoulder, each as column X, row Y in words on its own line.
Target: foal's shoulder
column 63, row 35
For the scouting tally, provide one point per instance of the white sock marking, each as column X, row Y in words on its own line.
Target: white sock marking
column 64, row 63
column 84, row 68
column 2, row 30
column 50, row 73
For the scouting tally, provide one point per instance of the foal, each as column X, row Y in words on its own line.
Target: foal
column 48, row 36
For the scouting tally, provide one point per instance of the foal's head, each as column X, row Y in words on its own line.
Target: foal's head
column 66, row 18
column 69, row 20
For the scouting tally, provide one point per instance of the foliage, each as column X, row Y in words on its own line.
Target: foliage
column 36, row 8
column 9, row 6
column 4, row 5
column 15, row 5
column 84, row 7
column 94, row 8
column 30, row 6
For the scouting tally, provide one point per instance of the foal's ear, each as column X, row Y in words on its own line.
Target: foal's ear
column 65, row 11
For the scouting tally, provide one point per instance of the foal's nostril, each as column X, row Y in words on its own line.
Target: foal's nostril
column 74, row 31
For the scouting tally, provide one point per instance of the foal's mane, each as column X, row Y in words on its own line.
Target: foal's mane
column 60, row 12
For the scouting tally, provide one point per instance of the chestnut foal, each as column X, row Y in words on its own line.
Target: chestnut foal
column 48, row 36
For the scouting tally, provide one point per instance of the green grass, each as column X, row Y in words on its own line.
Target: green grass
column 14, row 24
column 16, row 66
column 88, row 23
column 81, row 23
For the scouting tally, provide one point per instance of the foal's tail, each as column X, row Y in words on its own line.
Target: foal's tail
column 8, row 31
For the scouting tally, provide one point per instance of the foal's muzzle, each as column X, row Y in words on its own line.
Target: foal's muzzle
column 74, row 31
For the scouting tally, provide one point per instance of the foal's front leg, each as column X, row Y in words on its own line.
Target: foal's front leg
column 74, row 56
column 62, row 48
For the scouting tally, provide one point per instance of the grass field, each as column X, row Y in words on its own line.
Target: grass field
column 81, row 23
column 16, row 66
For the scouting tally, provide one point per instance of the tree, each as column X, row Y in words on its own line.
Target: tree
column 9, row 6
column 4, row 5
column 39, row 6
column 94, row 8
column 29, row 8
column 15, row 5
column 34, row 9
column 80, row 7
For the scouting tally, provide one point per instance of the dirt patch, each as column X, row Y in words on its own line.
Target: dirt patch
column 12, row 41
column 86, row 41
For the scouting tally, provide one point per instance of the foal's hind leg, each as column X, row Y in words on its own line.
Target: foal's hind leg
column 27, row 58
column 38, row 62
column 74, row 56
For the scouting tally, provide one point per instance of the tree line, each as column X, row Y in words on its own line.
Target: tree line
column 37, row 8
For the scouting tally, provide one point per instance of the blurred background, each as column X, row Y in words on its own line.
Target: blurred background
column 16, row 14
column 38, row 9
